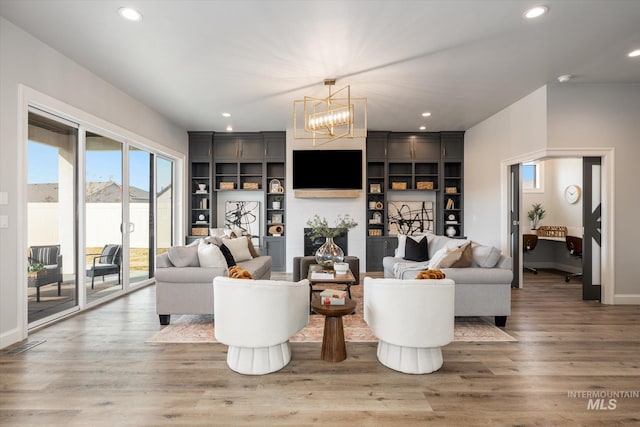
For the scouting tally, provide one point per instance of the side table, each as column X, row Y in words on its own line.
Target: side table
column 334, row 348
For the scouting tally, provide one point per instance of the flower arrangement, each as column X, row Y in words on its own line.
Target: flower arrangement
column 535, row 214
column 320, row 226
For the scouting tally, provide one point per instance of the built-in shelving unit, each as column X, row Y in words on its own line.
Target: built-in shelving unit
column 202, row 199
column 239, row 162
column 429, row 162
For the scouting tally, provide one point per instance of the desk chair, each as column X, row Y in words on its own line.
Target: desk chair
column 574, row 246
column 529, row 242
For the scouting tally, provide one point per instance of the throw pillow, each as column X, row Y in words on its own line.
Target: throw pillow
column 237, row 272
column 209, row 255
column 184, row 256
column 402, row 243
column 252, row 249
column 416, row 250
column 239, row 248
column 216, row 240
column 485, row 256
column 436, row 258
column 451, row 256
column 465, row 258
column 227, row 256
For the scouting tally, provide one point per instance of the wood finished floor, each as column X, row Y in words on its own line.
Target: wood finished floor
column 95, row 369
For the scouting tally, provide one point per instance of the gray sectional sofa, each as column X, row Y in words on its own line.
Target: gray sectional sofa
column 189, row 289
column 483, row 289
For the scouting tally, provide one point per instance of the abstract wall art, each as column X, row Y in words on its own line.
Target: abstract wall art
column 245, row 215
column 410, row 218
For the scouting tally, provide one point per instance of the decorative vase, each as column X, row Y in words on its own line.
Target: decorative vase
column 329, row 253
column 451, row 231
column 276, row 205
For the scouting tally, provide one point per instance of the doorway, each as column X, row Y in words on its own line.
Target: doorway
column 572, row 206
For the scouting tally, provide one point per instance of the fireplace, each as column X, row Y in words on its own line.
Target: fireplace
column 311, row 245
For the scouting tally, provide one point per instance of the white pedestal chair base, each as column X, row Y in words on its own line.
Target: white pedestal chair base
column 410, row 360
column 259, row 360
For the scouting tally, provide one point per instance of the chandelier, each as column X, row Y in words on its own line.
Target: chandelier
column 327, row 119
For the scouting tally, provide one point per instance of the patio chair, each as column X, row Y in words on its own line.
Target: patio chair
column 105, row 263
column 51, row 259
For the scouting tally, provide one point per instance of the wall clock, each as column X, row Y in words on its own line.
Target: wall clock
column 572, row 194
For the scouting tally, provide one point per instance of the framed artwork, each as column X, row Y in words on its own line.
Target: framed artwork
column 244, row 215
column 276, row 218
column 410, row 218
column 374, row 188
column 274, row 186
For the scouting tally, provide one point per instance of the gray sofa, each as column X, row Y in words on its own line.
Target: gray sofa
column 189, row 290
column 483, row 289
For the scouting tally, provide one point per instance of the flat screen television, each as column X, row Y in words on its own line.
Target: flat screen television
column 327, row 169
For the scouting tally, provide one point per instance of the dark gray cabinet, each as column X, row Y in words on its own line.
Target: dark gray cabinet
column 200, row 144
column 276, row 248
column 275, row 146
column 238, row 146
column 452, row 145
column 377, row 145
column 378, row 248
column 408, row 147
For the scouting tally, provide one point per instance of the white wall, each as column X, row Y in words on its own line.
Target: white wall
column 24, row 60
column 562, row 118
column 516, row 130
column 558, row 174
column 299, row 211
column 607, row 116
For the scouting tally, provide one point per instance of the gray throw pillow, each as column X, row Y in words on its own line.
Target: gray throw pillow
column 485, row 256
column 184, row 256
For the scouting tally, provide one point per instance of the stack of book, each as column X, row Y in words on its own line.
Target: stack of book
column 333, row 297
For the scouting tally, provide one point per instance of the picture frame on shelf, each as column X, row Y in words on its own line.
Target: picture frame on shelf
column 274, row 186
column 276, row 218
column 375, row 188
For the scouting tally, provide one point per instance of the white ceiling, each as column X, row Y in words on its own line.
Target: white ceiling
column 461, row 60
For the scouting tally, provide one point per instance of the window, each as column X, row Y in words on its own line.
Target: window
column 532, row 177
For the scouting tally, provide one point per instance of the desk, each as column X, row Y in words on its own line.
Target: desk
column 551, row 252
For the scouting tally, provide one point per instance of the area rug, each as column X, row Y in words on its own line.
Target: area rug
column 200, row 328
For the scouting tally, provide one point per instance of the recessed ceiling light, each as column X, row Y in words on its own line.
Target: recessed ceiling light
column 634, row 53
column 130, row 14
column 426, row 114
column 536, row 12
column 229, row 128
column 226, row 114
column 423, row 127
column 564, row 78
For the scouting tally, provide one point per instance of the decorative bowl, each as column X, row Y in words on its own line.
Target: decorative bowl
column 340, row 267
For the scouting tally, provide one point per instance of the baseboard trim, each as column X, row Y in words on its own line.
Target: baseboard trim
column 10, row 337
column 626, row 299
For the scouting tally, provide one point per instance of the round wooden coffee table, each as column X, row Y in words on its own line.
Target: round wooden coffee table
column 334, row 348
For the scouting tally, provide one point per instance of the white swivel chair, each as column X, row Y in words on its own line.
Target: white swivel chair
column 256, row 318
column 412, row 319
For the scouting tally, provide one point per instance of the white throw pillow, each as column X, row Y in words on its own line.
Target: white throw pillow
column 183, row 256
column 239, row 248
column 437, row 258
column 402, row 243
column 210, row 255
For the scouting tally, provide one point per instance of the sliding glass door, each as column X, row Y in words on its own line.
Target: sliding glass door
column 51, row 229
column 140, row 224
column 164, row 204
column 99, row 209
column 103, row 216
